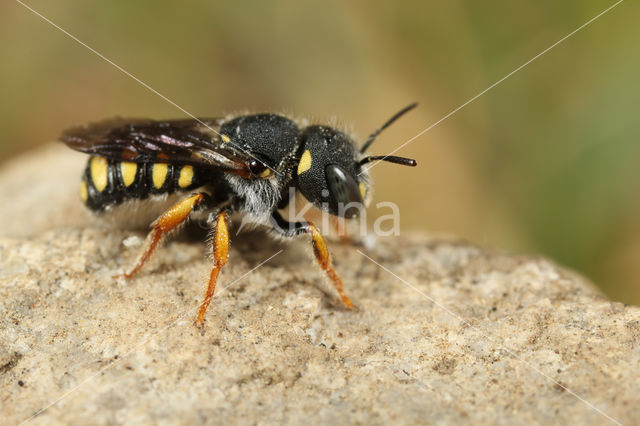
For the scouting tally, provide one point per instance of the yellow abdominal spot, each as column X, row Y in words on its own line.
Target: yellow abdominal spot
column 128, row 171
column 363, row 189
column 305, row 162
column 159, row 174
column 99, row 168
column 186, row 177
column 225, row 138
column 84, row 193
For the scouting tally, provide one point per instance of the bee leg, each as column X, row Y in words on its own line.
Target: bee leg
column 172, row 218
column 320, row 249
column 220, row 242
column 323, row 257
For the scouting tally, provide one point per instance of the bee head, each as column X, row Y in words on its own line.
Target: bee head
column 330, row 171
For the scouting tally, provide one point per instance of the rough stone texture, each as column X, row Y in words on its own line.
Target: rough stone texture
column 509, row 340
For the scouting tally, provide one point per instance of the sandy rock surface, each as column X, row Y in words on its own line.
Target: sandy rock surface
column 462, row 334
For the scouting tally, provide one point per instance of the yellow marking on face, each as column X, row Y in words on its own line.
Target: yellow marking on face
column 363, row 189
column 186, row 177
column 159, row 174
column 128, row 171
column 84, row 193
column 305, row 162
column 99, row 169
column 265, row 173
column 225, row 138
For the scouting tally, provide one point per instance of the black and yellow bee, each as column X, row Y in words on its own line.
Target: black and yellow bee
column 248, row 164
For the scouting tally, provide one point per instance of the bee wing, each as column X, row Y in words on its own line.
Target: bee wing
column 142, row 140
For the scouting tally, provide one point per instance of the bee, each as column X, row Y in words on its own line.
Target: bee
column 247, row 164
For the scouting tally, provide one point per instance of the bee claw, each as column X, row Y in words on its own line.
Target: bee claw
column 122, row 277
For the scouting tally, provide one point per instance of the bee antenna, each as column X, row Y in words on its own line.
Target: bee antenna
column 389, row 158
column 397, row 115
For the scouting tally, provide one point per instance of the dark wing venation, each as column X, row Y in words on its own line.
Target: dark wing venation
column 142, row 140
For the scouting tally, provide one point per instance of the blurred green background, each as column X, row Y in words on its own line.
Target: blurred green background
column 544, row 163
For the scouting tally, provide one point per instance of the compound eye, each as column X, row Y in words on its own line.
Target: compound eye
column 345, row 195
column 259, row 169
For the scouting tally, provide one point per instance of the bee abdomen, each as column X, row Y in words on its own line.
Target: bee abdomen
column 107, row 182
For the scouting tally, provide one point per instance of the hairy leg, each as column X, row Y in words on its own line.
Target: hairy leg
column 171, row 219
column 320, row 249
column 220, row 242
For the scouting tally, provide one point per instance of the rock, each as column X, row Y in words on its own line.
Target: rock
column 465, row 335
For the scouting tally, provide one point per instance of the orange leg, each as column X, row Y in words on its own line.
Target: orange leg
column 165, row 223
column 323, row 257
column 220, row 256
